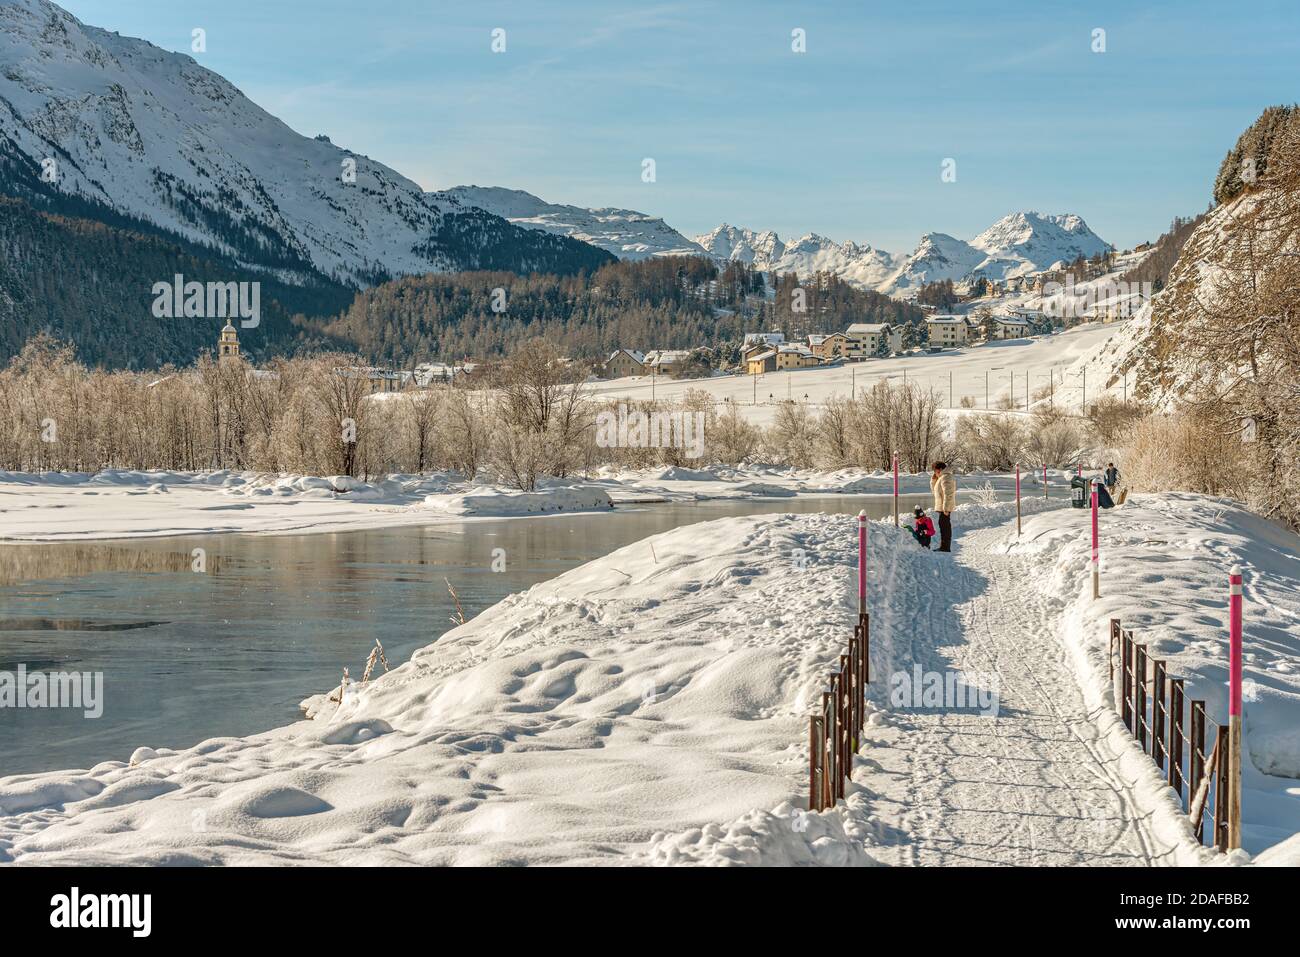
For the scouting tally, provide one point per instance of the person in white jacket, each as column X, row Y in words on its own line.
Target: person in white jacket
column 944, row 487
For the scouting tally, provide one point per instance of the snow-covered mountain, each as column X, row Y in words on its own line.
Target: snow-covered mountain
column 937, row 256
column 863, row 266
column 150, row 134
column 623, row 232
column 1015, row 245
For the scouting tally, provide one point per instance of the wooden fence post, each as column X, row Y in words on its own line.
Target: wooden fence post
column 1126, row 679
column 1140, row 694
column 1158, row 717
column 1114, row 640
column 1196, row 760
column 865, row 625
column 855, row 678
column 850, row 733
column 1221, row 789
column 1176, row 736
column 828, row 749
column 816, row 762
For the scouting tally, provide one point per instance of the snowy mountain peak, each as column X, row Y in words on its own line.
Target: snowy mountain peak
column 1066, row 233
column 1017, row 244
column 860, row 265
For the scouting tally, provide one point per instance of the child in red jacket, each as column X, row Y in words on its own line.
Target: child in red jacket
column 923, row 530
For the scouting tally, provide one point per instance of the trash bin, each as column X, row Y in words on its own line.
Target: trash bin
column 1080, row 492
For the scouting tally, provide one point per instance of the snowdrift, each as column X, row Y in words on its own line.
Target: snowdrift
column 650, row 706
column 1165, row 562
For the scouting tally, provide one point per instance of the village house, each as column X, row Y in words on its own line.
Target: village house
column 872, row 339
column 428, row 374
column 761, row 362
column 1029, row 315
column 828, row 347
column 1116, row 308
column 1010, row 327
column 947, row 332
column 624, row 362
column 757, row 342
column 378, row 381
column 795, row 356
column 667, row 362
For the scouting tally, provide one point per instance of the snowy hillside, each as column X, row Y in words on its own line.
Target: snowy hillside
column 1148, row 344
column 623, row 232
column 154, row 135
column 863, row 266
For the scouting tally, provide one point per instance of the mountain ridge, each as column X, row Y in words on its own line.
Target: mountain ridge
column 154, row 135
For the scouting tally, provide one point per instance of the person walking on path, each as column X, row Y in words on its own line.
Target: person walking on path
column 944, row 487
column 1112, row 478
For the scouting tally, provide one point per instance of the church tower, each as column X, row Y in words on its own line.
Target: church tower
column 228, row 347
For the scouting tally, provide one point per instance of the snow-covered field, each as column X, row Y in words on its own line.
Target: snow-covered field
column 651, row 707
column 954, row 372
column 125, row 504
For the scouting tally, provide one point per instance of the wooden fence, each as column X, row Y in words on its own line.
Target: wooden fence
column 833, row 731
column 1151, row 704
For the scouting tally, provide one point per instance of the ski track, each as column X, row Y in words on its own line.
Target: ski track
column 1034, row 785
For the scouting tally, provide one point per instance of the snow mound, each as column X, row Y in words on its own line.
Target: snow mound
column 786, row 836
column 489, row 500
column 662, row 689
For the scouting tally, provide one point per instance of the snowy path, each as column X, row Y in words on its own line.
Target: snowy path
column 1037, row 784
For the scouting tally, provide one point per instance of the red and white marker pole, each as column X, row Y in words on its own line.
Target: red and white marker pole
column 1234, row 708
column 895, row 489
column 862, row 562
column 1017, row 500
column 1096, row 549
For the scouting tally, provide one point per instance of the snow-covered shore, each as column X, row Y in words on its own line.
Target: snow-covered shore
column 651, row 707
column 129, row 504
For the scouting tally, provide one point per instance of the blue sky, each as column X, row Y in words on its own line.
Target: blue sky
column 845, row 140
